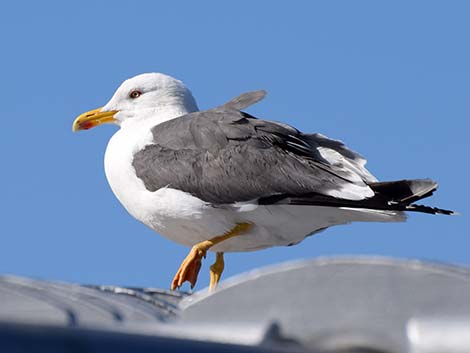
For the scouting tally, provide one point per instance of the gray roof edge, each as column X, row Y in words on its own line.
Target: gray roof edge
column 430, row 265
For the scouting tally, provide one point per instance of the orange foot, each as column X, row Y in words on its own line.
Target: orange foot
column 189, row 268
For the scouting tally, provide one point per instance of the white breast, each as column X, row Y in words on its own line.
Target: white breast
column 127, row 187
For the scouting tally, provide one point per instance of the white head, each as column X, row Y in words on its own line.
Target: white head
column 147, row 96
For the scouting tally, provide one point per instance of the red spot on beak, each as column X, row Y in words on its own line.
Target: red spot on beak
column 86, row 125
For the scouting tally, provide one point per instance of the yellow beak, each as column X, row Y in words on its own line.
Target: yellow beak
column 93, row 118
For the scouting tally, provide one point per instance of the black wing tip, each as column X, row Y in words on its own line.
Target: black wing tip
column 314, row 199
column 430, row 210
column 405, row 191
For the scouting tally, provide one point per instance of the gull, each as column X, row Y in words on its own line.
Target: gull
column 223, row 180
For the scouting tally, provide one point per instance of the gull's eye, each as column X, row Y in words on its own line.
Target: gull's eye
column 135, row 94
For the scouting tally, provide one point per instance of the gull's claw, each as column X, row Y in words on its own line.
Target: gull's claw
column 189, row 268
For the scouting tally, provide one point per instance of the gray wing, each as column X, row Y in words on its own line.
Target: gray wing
column 224, row 156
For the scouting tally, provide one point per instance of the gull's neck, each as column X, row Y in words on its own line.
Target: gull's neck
column 149, row 117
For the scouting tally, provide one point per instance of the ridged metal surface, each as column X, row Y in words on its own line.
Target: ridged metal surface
column 331, row 304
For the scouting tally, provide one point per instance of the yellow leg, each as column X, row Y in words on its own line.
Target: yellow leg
column 216, row 270
column 191, row 265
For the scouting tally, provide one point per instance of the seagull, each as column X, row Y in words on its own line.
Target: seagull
column 223, row 180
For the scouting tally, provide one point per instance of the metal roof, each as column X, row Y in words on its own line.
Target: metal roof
column 323, row 305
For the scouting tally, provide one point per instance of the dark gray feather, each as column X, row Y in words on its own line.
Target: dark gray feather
column 224, row 156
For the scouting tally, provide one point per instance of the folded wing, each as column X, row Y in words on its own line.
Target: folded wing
column 224, row 155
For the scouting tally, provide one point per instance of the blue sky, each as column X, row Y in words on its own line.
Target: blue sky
column 391, row 79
